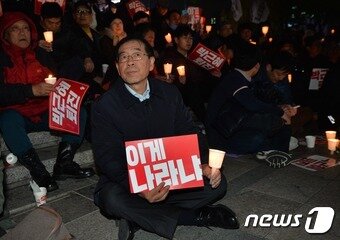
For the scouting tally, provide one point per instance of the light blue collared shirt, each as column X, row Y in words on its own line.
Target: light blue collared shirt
column 141, row 97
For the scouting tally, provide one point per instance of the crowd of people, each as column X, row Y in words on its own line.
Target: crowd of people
column 246, row 107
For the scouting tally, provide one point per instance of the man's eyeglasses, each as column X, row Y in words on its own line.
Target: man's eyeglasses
column 83, row 11
column 122, row 58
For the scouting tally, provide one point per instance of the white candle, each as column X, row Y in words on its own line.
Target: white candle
column 270, row 39
column 181, row 70
column 50, row 79
column 332, row 144
column 167, row 68
column 208, row 28
column 265, row 30
column 215, row 159
column 48, row 36
column 289, row 78
column 332, row 31
column 168, row 38
column 331, row 134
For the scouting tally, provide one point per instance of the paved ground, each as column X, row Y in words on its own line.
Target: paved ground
column 254, row 188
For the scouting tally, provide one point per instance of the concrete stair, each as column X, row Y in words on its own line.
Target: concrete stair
column 46, row 146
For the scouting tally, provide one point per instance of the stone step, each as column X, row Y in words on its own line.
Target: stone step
column 18, row 175
column 38, row 139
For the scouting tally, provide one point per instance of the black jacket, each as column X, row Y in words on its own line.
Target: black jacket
column 118, row 116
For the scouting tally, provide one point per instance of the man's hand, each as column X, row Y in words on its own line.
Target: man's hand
column 286, row 118
column 182, row 79
column 42, row 89
column 45, row 45
column 289, row 110
column 215, row 179
column 157, row 194
column 88, row 65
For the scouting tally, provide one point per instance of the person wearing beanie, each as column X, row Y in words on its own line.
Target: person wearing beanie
column 24, row 103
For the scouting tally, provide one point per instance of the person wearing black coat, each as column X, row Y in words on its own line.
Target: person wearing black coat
column 138, row 107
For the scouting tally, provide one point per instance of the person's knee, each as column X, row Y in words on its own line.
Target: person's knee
column 10, row 118
column 110, row 202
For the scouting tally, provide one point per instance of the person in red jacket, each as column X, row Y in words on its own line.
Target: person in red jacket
column 24, row 103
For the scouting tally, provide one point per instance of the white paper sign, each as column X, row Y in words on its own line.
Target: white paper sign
column 316, row 79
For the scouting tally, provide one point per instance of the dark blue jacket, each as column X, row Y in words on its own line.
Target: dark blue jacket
column 118, row 116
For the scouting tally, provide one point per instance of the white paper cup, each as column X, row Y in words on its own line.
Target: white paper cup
column 11, row 159
column 105, row 67
column 331, row 134
column 332, row 144
column 40, row 197
column 310, row 140
column 216, row 158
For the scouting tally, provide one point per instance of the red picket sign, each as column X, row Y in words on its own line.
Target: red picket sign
column 134, row 6
column 206, row 58
column 39, row 3
column 173, row 160
column 65, row 102
column 316, row 79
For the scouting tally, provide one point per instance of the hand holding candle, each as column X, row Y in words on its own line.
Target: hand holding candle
column 168, row 38
column 48, row 36
column 208, row 28
column 215, row 159
column 289, row 78
column 50, row 79
column 167, row 69
column 265, row 30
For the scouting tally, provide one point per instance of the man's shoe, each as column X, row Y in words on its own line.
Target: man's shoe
column 71, row 170
column 126, row 230
column 217, row 216
column 48, row 182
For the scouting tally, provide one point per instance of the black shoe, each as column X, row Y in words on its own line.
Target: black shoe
column 71, row 170
column 46, row 181
column 126, row 230
column 217, row 216
column 38, row 171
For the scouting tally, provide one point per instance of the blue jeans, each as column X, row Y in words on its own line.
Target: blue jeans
column 14, row 129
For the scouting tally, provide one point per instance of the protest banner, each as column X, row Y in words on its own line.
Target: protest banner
column 39, row 3
column 194, row 15
column 134, row 6
column 316, row 79
column 64, row 105
column 173, row 160
column 206, row 58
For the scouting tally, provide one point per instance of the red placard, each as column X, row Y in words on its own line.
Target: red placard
column 206, row 58
column 134, row 6
column 173, row 160
column 316, row 79
column 38, row 3
column 65, row 102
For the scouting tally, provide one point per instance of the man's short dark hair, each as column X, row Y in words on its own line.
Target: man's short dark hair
column 51, row 10
column 148, row 49
column 243, row 26
column 140, row 15
column 82, row 3
column 246, row 56
column 282, row 60
column 142, row 29
column 183, row 30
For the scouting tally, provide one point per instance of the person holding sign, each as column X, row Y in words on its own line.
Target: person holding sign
column 24, row 103
column 139, row 107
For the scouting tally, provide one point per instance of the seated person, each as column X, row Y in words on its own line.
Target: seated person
column 24, row 103
column 82, row 15
column 197, row 83
column 69, row 56
column 239, row 122
column 153, row 109
column 271, row 83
